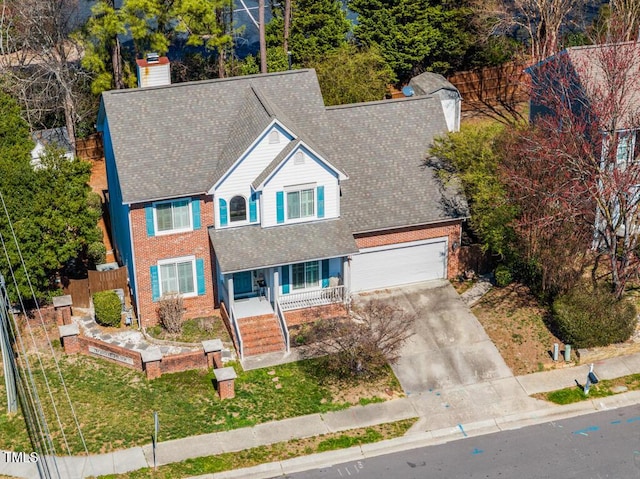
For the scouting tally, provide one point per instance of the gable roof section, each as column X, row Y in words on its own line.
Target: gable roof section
column 250, row 247
column 167, row 140
column 428, row 83
column 383, row 146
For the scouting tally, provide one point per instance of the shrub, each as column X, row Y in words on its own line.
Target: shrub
column 587, row 317
column 108, row 308
column 97, row 252
column 170, row 310
column 503, row 275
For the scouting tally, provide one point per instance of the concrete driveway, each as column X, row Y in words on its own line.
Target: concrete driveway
column 449, row 348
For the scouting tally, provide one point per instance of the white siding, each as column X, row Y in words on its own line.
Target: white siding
column 291, row 174
column 239, row 180
column 451, row 109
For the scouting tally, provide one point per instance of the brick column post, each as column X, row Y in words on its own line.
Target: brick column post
column 151, row 362
column 225, row 378
column 213, row 351
column 62, row 307
column 69, row 338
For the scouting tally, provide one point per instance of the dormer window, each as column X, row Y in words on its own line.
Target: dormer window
column 274, row 137
column 237, row 209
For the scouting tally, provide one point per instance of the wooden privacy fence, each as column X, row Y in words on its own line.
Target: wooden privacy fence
column 506, row 83
column 89, row 148
column 82, row 289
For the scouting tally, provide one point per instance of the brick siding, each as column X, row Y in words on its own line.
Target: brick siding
column 452, row 230
column 148, row 250
column 309, row 315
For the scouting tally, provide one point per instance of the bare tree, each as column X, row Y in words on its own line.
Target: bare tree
column 263, row 41
column 578, row 163
column 170, row 312
column 40, row 57
column 542, row 20
column 361, row 345
column 287, row 25
column 627, row 14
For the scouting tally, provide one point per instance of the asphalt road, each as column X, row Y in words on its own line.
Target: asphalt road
column 600, row 445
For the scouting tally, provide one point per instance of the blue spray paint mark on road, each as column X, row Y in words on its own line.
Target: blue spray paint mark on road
column 462, row 429
column 616, row 422
column 583, row 432
column 477, row 451
column 633, row 419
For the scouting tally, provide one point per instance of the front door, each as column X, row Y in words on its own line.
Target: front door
column 242, row 283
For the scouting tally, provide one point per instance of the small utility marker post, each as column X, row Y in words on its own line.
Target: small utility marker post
column 591, row 379
column 8, row 359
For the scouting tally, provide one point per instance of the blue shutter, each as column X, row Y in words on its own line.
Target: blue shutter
column 325, row 273
column 155, row 284
column 285, row 279
column 200, row 276
column 253, row 214
column 195, row 212
column 148, row 213
column 320, row 201
column 223, row 212
column 280, row 206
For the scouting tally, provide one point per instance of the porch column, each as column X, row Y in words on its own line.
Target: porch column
column 229, row 279
column 346, row 275
column 275, row 287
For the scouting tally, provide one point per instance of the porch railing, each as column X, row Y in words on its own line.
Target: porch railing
column 233, row 320
column 307, row 299
column 283, row 326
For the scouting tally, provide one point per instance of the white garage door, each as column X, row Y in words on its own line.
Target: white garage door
column 379, row 268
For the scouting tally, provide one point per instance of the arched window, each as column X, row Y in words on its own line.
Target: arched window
column 237, row 209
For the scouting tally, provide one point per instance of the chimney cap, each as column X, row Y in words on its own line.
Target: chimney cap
column 153, row 57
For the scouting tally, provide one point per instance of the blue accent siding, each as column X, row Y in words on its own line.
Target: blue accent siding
column 155, row 283
column 325, row 273
column 253, row 212
column 118, row 212
column 320, row 201
column 224, row 218
column 285, row 279
column 200, row 276
column 195, row 212
column 148, row 215
column 280, row 207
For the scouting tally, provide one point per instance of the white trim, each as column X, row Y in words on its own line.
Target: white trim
column 180, row 259
column 408, row 244
column 175, row 230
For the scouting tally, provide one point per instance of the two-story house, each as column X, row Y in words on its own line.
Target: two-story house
column 249, row 195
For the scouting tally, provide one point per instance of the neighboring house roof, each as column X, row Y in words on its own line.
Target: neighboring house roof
column 58, row 137
column 179, row 140
column 428, row 83
column 250, row 247
column 593, row 66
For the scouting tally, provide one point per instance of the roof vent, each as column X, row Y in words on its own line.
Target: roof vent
column 153, row 57
column 408, row 91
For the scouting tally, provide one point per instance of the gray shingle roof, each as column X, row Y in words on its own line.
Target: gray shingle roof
column 178, row 140
column 274, row 164
column 428, row 83
column 250, row 247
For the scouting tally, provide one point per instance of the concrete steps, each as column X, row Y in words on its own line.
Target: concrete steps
column 261, row 334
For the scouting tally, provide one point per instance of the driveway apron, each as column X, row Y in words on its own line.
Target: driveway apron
column 449, row 348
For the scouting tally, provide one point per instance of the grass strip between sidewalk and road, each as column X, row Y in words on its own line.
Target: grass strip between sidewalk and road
column 273, row 452
column 604, row 388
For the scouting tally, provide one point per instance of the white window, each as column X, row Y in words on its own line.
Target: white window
column 172, row 216
column 305, row 275
column 300, row 204
column 626, row 144
column 178, row 276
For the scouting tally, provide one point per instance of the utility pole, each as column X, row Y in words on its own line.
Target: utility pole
column 8, row 358
column 263, row 42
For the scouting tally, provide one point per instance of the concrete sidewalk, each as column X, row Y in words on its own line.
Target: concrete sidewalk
column 443, row 415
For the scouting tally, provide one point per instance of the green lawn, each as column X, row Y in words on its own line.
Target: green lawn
column 605, row 387
column 115, row 405
column 273, row 452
